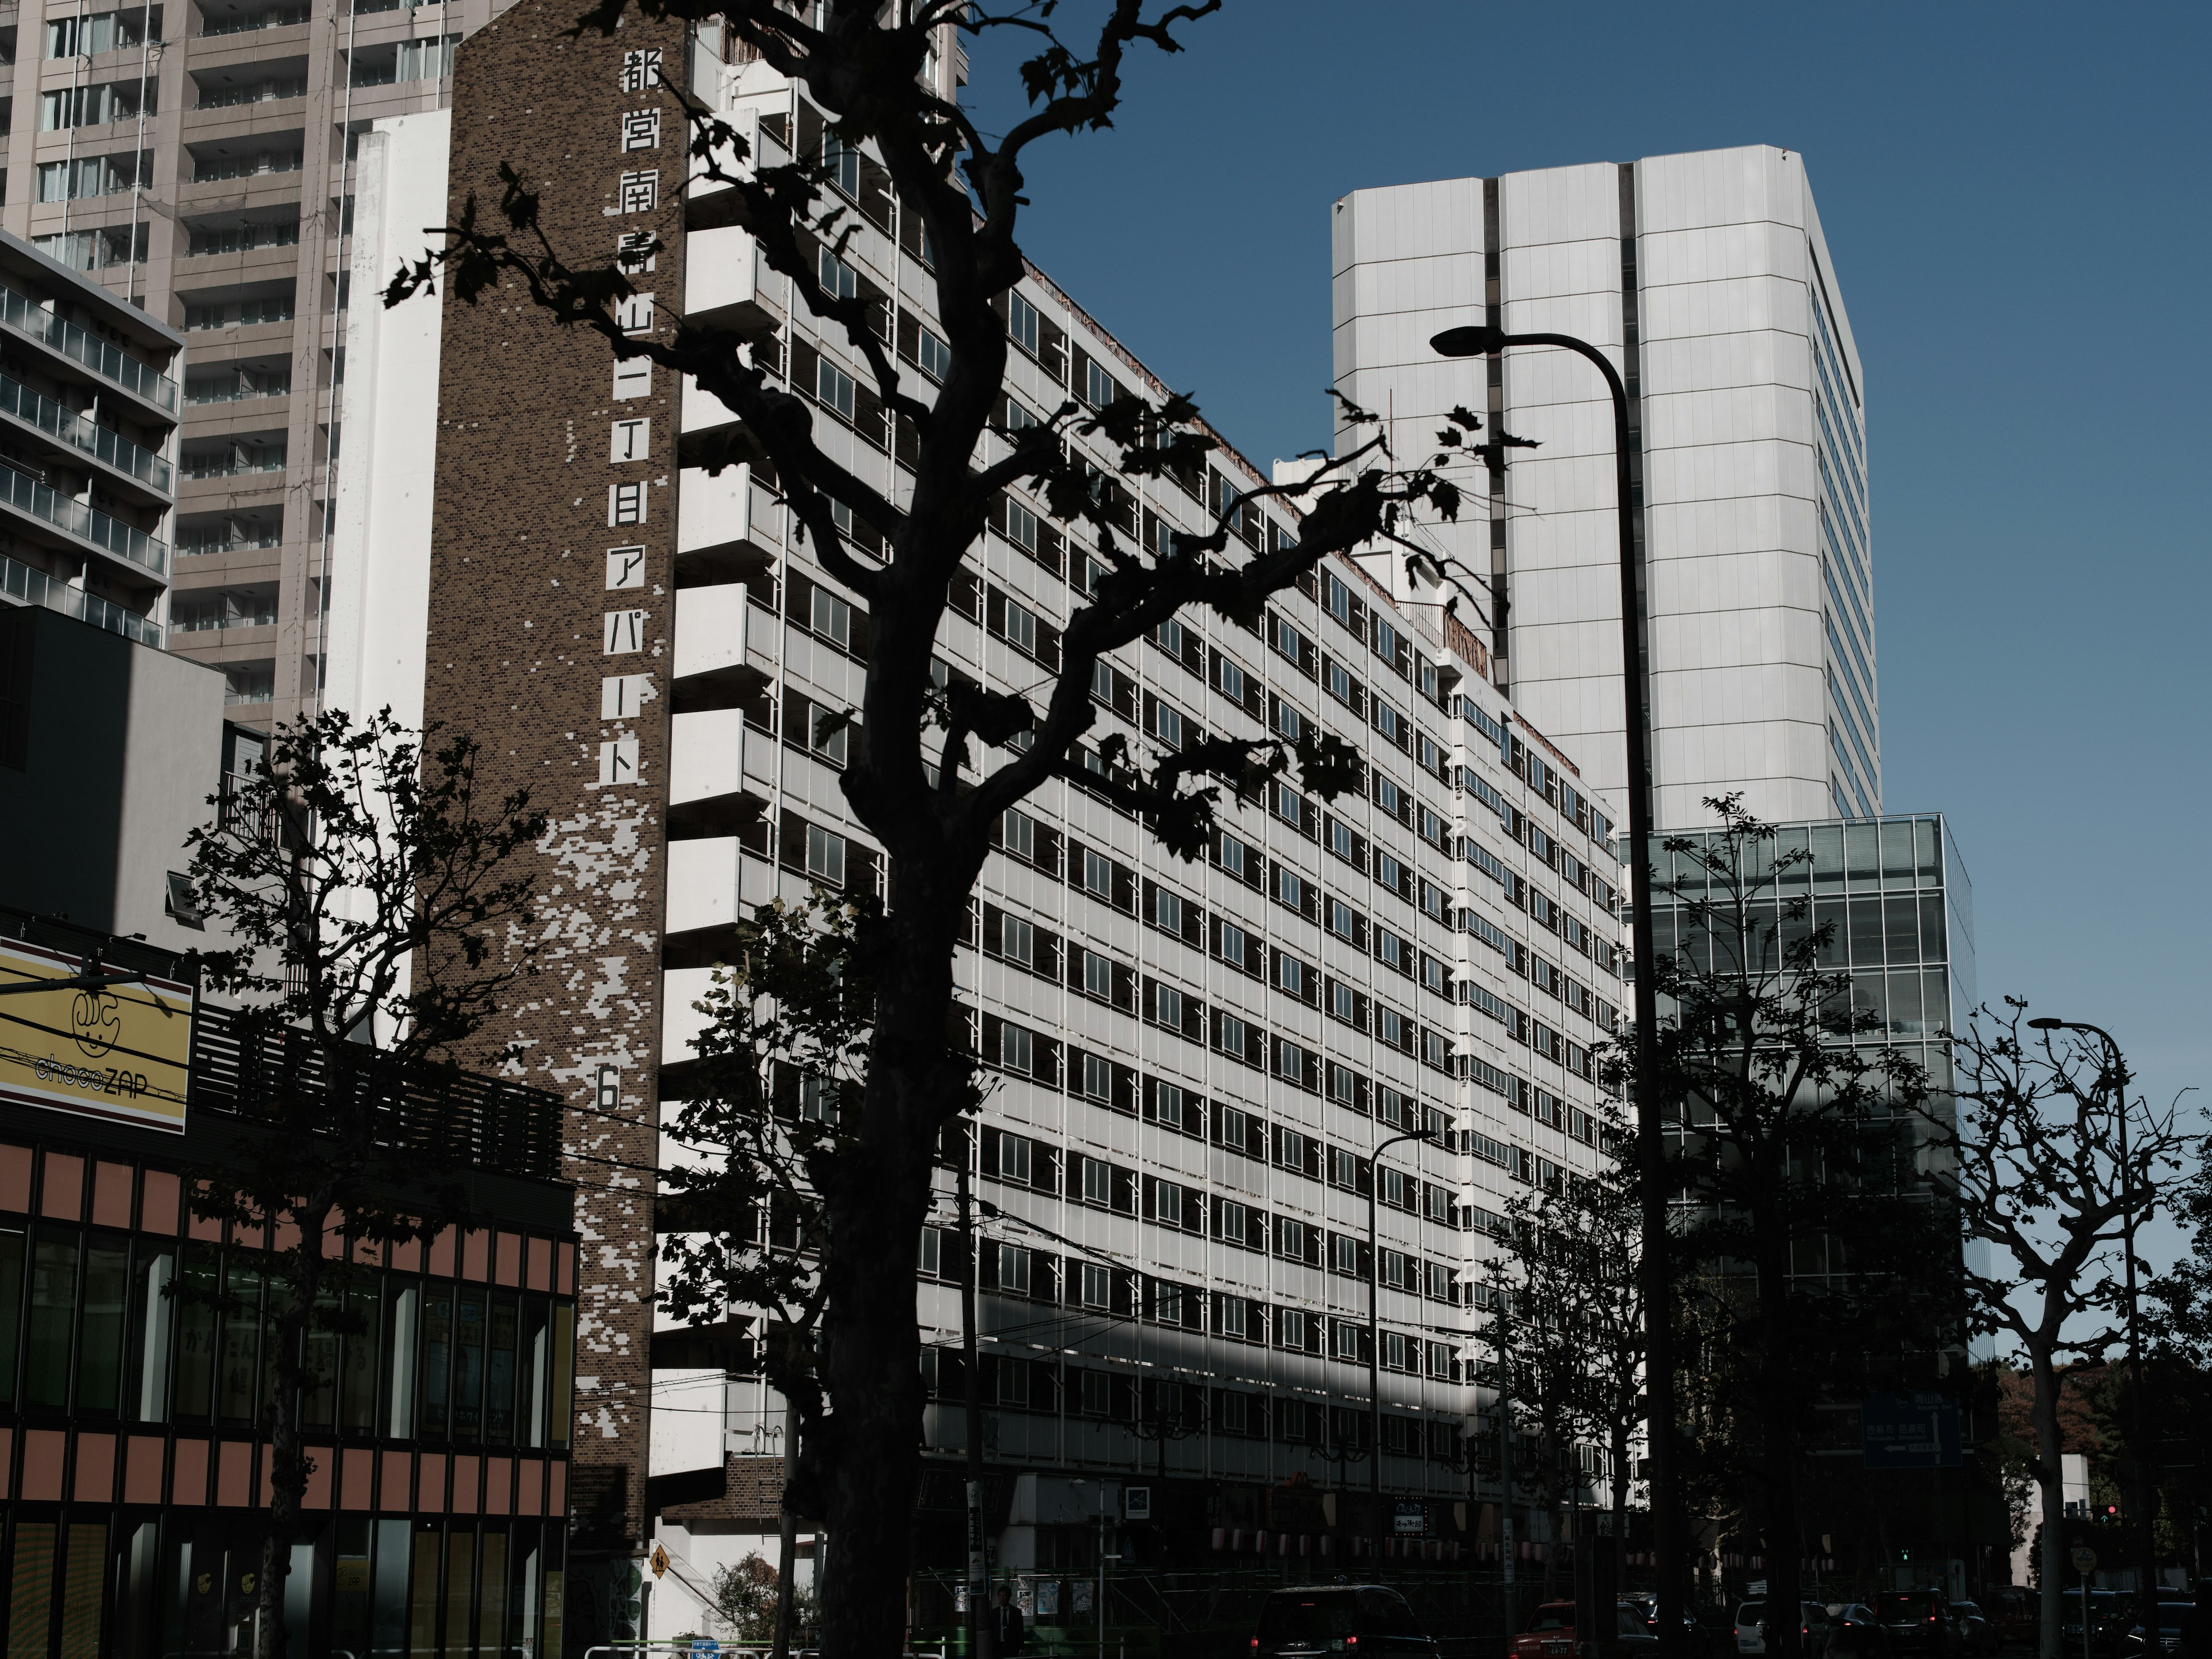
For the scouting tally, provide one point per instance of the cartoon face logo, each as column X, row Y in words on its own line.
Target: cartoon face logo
column 97, row 1020
column 204, row 1583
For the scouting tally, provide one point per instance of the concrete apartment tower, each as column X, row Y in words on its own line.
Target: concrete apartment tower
column 1707, row 278
column 197, row 159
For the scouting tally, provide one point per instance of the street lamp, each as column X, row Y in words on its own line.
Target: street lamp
column 2115, row 1069
column 1374, row 1345
column 1651, row 1155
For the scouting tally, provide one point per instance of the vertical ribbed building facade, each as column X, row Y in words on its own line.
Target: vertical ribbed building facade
column 1707, row 279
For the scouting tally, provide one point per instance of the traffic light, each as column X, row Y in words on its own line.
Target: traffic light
column 1905, row 1554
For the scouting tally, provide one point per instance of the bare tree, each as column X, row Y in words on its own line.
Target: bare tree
column 1783, row 1125
column 361, row 880
column 2033, row 1162
column 919, row 787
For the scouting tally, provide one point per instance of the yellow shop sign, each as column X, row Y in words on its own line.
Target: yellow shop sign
column 121, row 1051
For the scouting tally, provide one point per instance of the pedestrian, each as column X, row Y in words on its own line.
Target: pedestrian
column 2197, row 1626
column 1007, row 1629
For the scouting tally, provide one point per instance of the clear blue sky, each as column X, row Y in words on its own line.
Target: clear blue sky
column 2020, row 207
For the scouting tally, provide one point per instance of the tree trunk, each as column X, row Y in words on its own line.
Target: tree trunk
column 1618, row 1449
column 288, row 1462
column 864, row 1461
column 2049, row 1478
column 1553, row 1477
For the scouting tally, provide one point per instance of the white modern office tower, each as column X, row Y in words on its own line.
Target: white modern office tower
column 1706, row 279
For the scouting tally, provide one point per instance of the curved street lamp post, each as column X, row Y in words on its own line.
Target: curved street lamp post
column 1652, row 1155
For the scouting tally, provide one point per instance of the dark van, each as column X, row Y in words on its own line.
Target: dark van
column 1349, row 1620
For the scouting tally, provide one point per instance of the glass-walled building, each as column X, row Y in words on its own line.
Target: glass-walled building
column 137, row 1375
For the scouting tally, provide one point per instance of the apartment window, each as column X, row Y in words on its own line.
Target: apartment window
column 1291, row 1149
column 817, row 1099
column 843, row 162
column 1167, row 1303
column 1336, row 598
column 1018, row 831
column 1168, row 1105
column 1098, row 1386
column 834, row 386
column 1337, row 683
column 1022, row 323
column 1288, row 722
column 1291, row 888
column 1236, row 946
column 1171, row 637
column 933, row 1251
column 1098, row 874
column 1293, row 1239
column 1388, row 872
column 1344, row 1254
column 1098, row 389
column 1393, row 1351
column 931, row 355
column 1389, row 722
column 1232, row 681
column 1021, row 525
column 825, row 854
column 1013, row 1270
column 1346, row 1340
column 1390, row 797
column 1234, row 856
column 1290, row 1326
column 1167, row 1006
column 1390, row 1026
column 1016, row 1053
column 1021, row 628
column 831, row 618
column 1343, row 1002
column 1285, row 638
column 1167, row 725
column 1229, row 1320
column 839, row 280
column 1234, row 1217
column 1340, row 918
column 1291, row 974
column 1098, row 978
column 1167, row 909
column 1167, row 1202
column 1232, row 1036
column 1344, row 1089
column 1018, row 940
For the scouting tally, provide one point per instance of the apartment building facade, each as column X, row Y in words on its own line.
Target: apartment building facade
column 197, row 160
column 1707, row 279
column 1192, row 1064
column 88, row 417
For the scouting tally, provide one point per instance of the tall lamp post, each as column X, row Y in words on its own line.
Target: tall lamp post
column 1374, row 1347
column 1651, row 1153
column 2113, row 1074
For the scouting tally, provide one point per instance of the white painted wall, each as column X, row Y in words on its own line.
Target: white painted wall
column 379, row 572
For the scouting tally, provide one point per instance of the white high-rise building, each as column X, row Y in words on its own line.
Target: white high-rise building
column 1706, row 279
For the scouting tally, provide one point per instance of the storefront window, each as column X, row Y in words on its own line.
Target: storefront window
column 11, row 1310
column 468, row 1364
column 53, row 1301
column 100, row 1342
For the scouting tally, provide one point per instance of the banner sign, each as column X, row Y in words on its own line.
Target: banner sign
column 121, row 1052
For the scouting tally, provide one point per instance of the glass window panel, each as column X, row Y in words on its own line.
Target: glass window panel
column 31, row 1587
column 1862, row 855
column 318, row 1397
column 1866, row 932
column 1900, row 928
column 468, row 1364
column 499, row 1373
column 1866, row 998
column 1897, row 861
column 1905, row 1012
column 531, row 1390
column 357, row 1373
column 196, row 1328
column 422, row 1605
column 349, row 1587
column 491, row 1591
column 53, row 1299
column 406, row 1325
column 1931, row 928
column 389, row 1612
column 240, row 1352
column 460, row 1544
column 154, row 1319
column 1935, row 1004
column 437, row 1358
column 99, row 1337
column 1924, row 851
column 1828, row 844
column 11, row 1310
column 564, row 1371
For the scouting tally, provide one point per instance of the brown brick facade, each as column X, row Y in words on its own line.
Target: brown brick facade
column 533, row 620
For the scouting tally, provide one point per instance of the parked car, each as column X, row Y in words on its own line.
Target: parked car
column 1551, row 1633
column 1854, row 1632
column 1814, row 1628
column 2110, row 1614
column 1978, row 1634
column 1357, row 1618
column 2168, row 1640
column 1919, row 1623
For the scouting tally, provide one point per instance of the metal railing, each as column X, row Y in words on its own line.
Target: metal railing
column 27, row 494
column 26, row 316
column 445, row 1114
column 21, row 581
column 66, row 425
